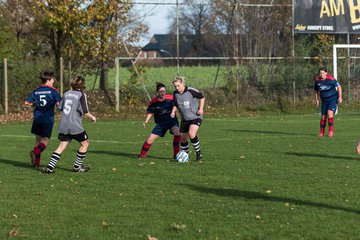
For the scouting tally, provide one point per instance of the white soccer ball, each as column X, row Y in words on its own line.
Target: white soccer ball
column 182, row 157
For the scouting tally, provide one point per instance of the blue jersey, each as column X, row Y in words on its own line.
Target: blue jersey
column 44, row 99
column 327, row 88
column 161, row 109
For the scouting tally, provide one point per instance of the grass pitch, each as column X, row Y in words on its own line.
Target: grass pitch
column 262, row 178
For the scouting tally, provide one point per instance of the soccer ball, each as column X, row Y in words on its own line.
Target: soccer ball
column 182, row 157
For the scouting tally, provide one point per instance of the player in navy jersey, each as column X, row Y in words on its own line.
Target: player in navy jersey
column 73, row 107
column 190, row 102
column 160, row 107
column 329, row 90
column 43, row 98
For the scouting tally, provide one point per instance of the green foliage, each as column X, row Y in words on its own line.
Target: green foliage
column 280, row 182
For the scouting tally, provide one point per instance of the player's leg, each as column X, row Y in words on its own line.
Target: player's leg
column 323, row 119
column 330, row 112
column 184, row 134
column 56, row 155
column 40, row 145
column 358, row 148
column 82, row 138
column 176, row 139
column 147, row 145
column 195, row 140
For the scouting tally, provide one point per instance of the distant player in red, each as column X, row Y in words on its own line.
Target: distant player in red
column 329, row 90
column 44, row 98
column 160, row 107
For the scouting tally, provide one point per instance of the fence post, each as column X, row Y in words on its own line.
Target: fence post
column 6, row 87
column 61, row 76
column 117, row 84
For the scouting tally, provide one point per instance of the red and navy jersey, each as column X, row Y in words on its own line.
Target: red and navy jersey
column 327, row 87
column 161, row 109
column 44, row 99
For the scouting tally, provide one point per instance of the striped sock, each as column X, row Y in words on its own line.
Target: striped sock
column 331, row 124
column 184, row 146
column 196, row 143
column 145, row 148
column 79, row 159
column 55, row 157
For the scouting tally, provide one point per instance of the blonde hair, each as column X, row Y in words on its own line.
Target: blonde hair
column 180, row 79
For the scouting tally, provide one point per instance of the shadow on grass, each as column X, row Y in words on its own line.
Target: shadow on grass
column 260, row 196
column 27, row 165
column 123, row 154
column 317, row 155
column 268, row 132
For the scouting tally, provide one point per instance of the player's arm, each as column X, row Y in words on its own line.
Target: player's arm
column 89, row 115
column 317, row 98
column 148, row 117
column 201, row 106
column 339, row 94
column 173, row 111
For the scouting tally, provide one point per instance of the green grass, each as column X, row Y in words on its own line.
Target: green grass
column 198, row 77
column 262, row 178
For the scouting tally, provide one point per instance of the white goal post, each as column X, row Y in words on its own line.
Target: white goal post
column 335, row 47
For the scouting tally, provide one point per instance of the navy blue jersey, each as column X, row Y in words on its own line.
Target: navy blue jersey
column 44, row 99
column 327, row 88
column 161, row 109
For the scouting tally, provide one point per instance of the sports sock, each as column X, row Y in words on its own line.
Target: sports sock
column 196, row 143
column 39, row 149
column 55, row 157
column 79, row 159
column 176, row 144
column 184, row 146
column 322, row 126
column 145, row 148
column 331, row 124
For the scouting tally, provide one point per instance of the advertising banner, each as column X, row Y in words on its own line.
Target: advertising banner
column 326, row 16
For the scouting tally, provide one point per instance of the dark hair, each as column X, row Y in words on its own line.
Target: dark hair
column 78, row 83
column 323, row 69
column 46, row 75
column 159, row 85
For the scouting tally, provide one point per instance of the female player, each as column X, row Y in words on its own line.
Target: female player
column 190, row 103
column 73, row 106
column 44, row 98
column 329, row 90
column 161, row 107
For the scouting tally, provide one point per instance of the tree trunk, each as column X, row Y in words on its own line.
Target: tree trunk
column 104, row 76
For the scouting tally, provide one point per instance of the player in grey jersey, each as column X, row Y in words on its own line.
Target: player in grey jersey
column 73, row 106
column 190, row 103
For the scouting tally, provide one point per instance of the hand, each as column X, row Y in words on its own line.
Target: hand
column 144, row 124
column 200, row 112
column 340, row 100
column 172, row 114
column 93, row 118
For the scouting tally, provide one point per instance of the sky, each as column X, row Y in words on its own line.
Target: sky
column 156, row 17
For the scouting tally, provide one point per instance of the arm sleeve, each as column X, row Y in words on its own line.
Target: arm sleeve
column 83, row 103
column 195, row 93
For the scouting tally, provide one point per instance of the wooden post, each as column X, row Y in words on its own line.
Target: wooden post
column 61, row 76
column 117, row 84
column 6, row 87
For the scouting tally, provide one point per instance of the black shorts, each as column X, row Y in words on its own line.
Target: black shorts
column 185, row 125
column 68, row 137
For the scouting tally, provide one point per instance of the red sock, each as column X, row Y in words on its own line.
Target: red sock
column 331, row 124
column 145, row 149
column 176, row 144
column 322, row 126
column 38, row 150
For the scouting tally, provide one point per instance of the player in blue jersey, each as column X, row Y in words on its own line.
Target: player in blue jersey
column 329, row 90
column 190, row 102
column 43, row 98
column 73, row 107
column 160, row 107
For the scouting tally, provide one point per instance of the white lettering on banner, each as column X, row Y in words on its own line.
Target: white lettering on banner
column 356, row 27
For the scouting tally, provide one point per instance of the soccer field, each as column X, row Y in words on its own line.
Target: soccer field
column 262, row 178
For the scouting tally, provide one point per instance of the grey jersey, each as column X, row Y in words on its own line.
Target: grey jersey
column 72, row 106
column 188, row 103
